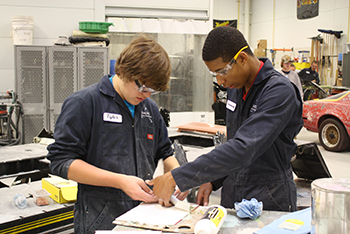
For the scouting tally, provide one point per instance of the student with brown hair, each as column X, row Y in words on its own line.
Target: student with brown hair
column 110, row 136
column 286, row 64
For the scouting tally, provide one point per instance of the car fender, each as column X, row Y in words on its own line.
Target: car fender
column 335, row 111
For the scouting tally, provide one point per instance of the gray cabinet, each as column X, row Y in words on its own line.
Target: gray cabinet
column 346, row 70
column 47, row 75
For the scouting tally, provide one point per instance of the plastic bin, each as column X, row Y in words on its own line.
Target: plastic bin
column 41, row 197
column 94, row 27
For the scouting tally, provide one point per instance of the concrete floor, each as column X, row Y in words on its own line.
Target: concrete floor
column 338, row 163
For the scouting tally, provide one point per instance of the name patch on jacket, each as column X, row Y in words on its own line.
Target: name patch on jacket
column 231, row 105
column 112, row 117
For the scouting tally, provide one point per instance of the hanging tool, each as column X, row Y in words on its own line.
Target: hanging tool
column 327, row 55
column 315, row 41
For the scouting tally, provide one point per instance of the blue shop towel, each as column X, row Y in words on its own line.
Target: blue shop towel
column 249, row 209
column 302, row 215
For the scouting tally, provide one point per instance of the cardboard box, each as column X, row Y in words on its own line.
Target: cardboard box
column 260, row 53
column 339, row 82
column 61, row 190
column 262, row 44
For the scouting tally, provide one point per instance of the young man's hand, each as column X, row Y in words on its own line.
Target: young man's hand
column 138, row 190
column 204, row 193
column 181, row 195
column 163, row 188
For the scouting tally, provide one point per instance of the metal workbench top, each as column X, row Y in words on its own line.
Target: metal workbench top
column 21, row 152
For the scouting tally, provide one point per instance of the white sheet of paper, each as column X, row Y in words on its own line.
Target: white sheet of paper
column 153, row 214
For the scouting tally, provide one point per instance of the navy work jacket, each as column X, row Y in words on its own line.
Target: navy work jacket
column 260, row 132
column 96, row 126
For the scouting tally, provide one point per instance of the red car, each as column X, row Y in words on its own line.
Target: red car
column 330, row 117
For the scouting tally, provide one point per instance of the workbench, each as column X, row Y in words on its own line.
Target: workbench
column 33, row 218
column 21, row 160
column 235, row 225
column 21, row 170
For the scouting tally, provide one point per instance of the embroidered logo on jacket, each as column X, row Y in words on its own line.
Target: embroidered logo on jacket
column 145, row 114
column 112, row 117
column 150, row 137
column 253, row 108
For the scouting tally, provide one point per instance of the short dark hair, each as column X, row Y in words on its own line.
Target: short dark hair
column 315, row 62
column 224, row 42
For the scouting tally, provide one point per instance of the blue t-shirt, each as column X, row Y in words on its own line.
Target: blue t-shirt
column 130, row 106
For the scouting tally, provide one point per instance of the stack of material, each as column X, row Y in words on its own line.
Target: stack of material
column 260, row 51
column 81, row 38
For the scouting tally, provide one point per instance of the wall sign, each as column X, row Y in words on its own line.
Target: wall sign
column 307, row 9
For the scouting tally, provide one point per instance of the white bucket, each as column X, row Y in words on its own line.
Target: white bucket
column 22, row 30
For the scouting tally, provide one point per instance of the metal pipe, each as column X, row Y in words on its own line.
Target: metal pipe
column 246, row 19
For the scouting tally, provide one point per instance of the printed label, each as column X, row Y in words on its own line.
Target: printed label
column 214, row 214
column 291, row 224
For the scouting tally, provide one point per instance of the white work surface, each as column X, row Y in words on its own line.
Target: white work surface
column 10, row 212
column 235, row 225
column 21, row 152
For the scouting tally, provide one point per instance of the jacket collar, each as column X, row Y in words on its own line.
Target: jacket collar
column 265, row 72
column 106, row 87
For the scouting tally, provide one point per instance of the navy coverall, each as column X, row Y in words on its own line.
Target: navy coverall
column 255, row 160
column 308, row 75
column 96, row 126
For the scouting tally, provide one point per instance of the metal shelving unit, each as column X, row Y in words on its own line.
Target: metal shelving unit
column 47, row 75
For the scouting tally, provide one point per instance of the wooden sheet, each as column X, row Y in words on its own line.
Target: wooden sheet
column 202, row 127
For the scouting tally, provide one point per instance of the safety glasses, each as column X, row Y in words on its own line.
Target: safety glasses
column 144, row 88
column 224, row 71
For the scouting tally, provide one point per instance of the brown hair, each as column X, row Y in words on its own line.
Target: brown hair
column 146, row 61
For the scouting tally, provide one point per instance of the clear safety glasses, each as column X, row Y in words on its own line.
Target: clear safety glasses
column 145, row 89
column 224, row 71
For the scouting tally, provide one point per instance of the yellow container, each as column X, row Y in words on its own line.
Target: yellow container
column 301, row 66
column 61, row 190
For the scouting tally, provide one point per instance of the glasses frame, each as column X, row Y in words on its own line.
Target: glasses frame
column 145, row 89
column 224, row 71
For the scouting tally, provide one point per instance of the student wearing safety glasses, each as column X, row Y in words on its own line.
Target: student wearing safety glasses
column 110, row 136
column 264, row 114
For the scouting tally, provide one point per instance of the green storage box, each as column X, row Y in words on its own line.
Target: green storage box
column 94, row 27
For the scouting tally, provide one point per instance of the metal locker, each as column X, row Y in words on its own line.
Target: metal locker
column 93, row 65
column 63, row 79
column 31, row 87
column 47, row 75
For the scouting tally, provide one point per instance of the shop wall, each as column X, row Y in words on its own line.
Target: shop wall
column 277, row 22
column 51, row 20
column 273, row 20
